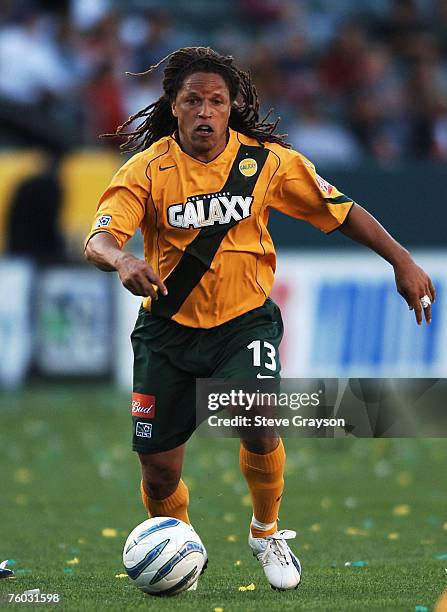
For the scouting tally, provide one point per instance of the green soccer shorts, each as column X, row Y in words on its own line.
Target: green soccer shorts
column 168, row 357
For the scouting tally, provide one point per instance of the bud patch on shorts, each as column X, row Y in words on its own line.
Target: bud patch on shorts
column 143, row 406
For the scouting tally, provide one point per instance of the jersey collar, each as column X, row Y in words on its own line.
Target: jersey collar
column 222, row 157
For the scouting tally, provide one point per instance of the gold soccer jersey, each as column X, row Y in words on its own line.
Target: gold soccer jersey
column 205, row 224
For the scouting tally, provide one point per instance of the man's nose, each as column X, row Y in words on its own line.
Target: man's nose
column 205, row 109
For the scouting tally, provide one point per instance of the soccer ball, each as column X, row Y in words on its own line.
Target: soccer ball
column 164, row 556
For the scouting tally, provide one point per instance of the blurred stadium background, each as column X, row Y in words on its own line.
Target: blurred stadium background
column 362, row 91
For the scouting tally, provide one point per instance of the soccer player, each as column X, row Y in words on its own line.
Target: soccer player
column 200, row 190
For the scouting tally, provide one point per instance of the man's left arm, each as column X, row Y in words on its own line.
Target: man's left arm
column 411, row 281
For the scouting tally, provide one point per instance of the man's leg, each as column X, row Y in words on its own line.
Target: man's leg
column 262, row 463
column 162, row 490
column 248, row 351
column 163, row 413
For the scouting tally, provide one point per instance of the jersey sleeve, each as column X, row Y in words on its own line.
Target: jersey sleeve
column 303, row 194
column 122, row 206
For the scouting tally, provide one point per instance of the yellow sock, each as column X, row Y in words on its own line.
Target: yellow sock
column 176, row 505
column 264, row 475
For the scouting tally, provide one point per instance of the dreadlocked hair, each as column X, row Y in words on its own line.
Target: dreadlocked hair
column 158, row 120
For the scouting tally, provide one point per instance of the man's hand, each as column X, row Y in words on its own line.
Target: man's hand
column 413, row 283
column 138, row 277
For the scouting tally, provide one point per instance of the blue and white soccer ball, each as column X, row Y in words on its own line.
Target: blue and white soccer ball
column 164, row 556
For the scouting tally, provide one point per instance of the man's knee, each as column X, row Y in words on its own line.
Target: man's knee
column 261, row 445
column 160, row 478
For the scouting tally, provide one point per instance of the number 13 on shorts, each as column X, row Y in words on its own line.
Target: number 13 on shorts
column 264, row 355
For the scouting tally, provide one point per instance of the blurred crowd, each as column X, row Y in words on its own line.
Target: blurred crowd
column 351, row 80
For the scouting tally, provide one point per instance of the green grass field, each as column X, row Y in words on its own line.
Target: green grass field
column 67, row 474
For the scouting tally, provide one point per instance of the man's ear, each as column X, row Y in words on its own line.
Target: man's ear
column 174, row 112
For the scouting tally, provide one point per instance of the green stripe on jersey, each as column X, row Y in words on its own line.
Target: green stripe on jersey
column 341, row 199
column 199, row 254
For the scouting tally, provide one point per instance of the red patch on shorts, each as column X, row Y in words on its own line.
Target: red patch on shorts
column 324, row 185
column 143, row 406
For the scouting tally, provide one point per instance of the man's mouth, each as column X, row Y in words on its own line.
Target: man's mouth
column 204, row 129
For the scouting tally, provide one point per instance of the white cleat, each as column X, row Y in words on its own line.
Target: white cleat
column 280, row 565
column 193, row 587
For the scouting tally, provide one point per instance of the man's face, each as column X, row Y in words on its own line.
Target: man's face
column 202, row 108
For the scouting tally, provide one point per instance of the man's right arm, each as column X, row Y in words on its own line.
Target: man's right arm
column 136, row 274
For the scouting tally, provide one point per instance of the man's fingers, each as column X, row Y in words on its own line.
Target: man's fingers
column 138, row 284
column 413, row 287
column 140, row 288
column 139, row 278
column 426, row 306
column 418, row 312
column 432, row 290
column 156, row 280
column 419, row 309
column 132, row 288
column 149, row 290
